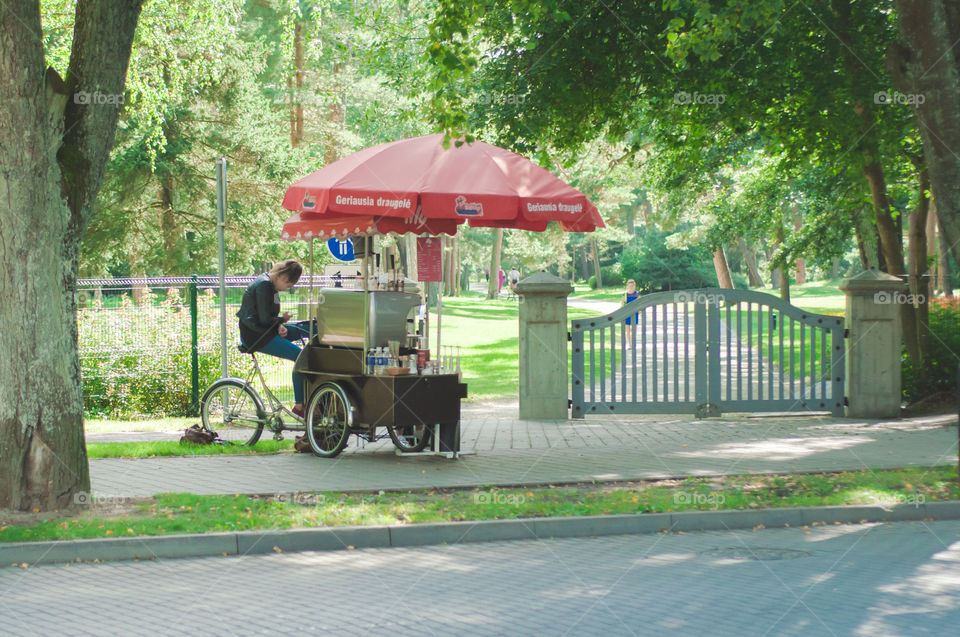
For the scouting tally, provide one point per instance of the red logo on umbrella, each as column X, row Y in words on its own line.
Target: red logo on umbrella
column 309, row 202
column 465, row 209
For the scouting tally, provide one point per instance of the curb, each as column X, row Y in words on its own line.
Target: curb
column 433, row 533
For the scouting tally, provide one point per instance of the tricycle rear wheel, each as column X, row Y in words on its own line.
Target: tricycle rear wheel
column 410, row 438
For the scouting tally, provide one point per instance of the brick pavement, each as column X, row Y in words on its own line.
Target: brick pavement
column 880, row 579
column 504, row 450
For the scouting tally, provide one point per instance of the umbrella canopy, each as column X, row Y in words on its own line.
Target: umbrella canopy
column 416, row 185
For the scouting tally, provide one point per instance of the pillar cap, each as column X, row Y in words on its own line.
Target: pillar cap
column 543, row 282
column 870, row 281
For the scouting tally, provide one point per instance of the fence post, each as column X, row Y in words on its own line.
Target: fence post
column 194, row 359
column 543, row 346
column 874, row 344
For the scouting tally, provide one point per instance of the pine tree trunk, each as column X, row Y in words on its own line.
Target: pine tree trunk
column 55, row 140
column 723, row 272
column 298, row 63
column 493, row 285
column 866, row 234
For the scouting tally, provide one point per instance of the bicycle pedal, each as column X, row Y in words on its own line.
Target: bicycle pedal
column 278, row 436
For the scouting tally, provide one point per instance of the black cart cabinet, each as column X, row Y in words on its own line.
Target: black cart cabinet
column 388, row 401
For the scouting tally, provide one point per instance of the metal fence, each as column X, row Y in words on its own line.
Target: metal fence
column 137, row 339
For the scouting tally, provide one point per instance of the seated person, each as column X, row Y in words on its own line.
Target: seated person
column 262, row 326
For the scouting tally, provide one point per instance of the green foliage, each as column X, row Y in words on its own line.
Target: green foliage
column 938, row 373
column 656, row 267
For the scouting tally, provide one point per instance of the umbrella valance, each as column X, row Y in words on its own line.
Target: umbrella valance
column 418, row 179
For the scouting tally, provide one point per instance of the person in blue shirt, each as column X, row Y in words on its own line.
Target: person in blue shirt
column 262, row 326
column 630, row 295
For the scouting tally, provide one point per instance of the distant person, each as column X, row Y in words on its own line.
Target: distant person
column 514, row 279
column 501, row 277
column 262, row 326
column 486, row 274
column 629, row 296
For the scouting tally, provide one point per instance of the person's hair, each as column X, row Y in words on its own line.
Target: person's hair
column 290, row 269
column 629, row 281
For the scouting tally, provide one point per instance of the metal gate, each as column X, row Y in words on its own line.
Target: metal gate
column 705, row 352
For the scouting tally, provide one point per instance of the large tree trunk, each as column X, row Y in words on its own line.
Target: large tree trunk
column 169, row 227
column 493, row 285
column 750, row 260
column 723, row 272
column 55, row 138
column 927, row 64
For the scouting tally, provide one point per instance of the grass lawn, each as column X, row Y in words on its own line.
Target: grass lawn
column 174, row 448
column 186, row 513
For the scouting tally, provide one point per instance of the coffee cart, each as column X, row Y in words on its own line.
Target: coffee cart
column 345, row 398
column 426, row 186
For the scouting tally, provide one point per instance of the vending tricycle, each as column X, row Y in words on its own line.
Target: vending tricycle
column 426, row 186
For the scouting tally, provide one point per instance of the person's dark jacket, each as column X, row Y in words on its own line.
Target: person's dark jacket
column 259, row 312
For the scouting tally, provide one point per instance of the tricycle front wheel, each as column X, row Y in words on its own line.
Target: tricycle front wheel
column 329, row 417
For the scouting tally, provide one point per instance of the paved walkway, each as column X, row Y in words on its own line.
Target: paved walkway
column 825, row 580
column 503, row 450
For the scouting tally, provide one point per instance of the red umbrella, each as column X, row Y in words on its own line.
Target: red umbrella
column 415, row 185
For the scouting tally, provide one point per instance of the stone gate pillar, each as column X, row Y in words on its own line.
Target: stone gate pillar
column 873, row 344
column 543, row 346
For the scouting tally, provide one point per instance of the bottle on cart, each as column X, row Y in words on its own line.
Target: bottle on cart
column 369, row 367
column 381, row 360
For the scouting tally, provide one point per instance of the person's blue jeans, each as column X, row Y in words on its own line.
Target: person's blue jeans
column 281, row 347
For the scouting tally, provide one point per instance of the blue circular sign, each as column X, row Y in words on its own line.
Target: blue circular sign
column 341, row 250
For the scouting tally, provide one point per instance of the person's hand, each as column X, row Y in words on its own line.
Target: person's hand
column 282, row 331
column 285, row 316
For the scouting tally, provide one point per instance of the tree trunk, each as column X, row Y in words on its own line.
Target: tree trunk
column 751, row 262
column 932, row 247
column 917, row 268
column 55, row 138
column 723, row 272
column 785, row 285
column 927, row 63
column 866, row 234
column 596, row 262
column 834, row 269
column 298, row 63
column 944, row 268
column 493, row 285
column 801, row 262
column 292, row 97
column 169, row 227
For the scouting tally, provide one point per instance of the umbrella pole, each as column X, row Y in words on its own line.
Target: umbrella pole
column 443, row 241
column 312, row 314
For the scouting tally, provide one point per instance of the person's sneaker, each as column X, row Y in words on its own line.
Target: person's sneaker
column 297, row 411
